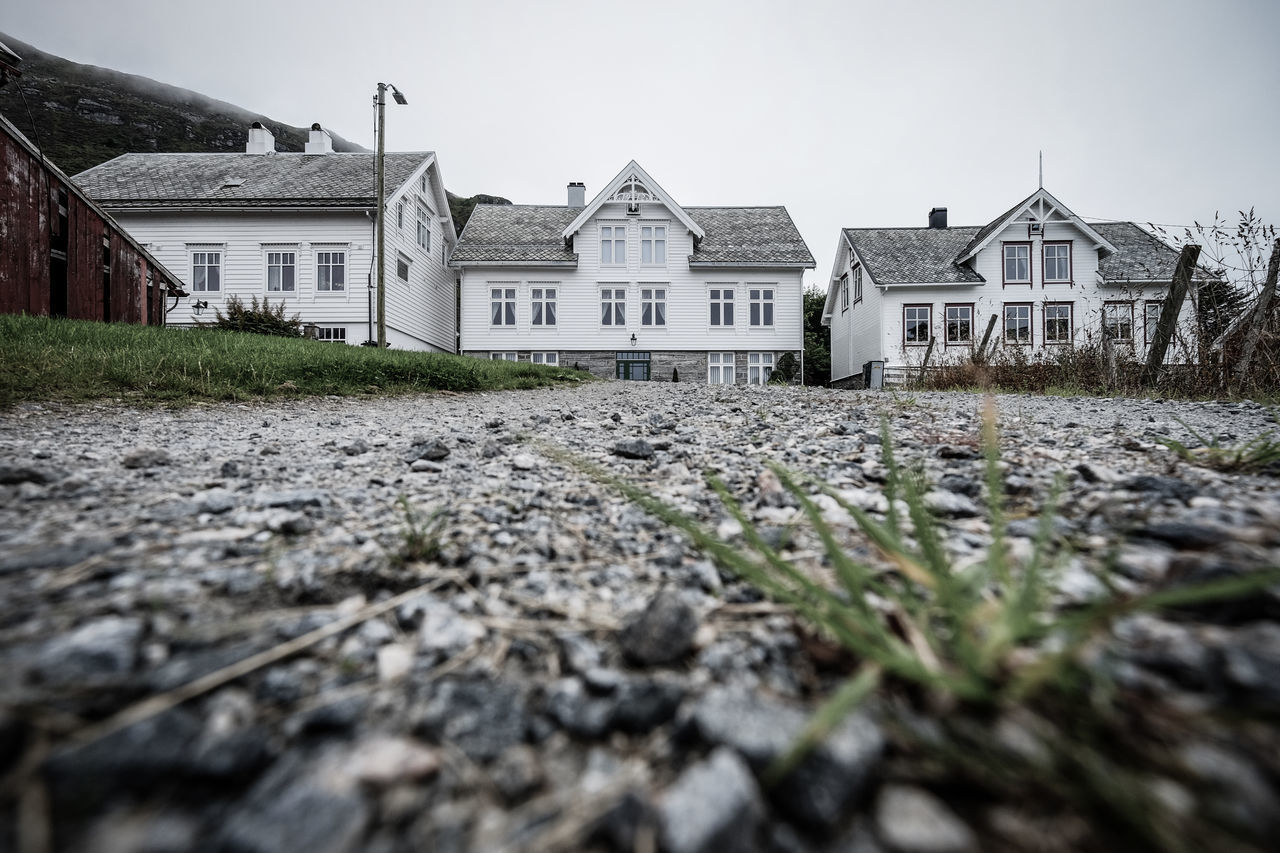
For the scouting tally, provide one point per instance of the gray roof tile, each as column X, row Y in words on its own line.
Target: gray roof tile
column 927, row 255
column 274, row 180
column 914, row 255
column 532, row 233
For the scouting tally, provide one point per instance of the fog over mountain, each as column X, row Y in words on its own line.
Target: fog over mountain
column 83, row 115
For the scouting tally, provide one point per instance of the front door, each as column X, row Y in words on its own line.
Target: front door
column 633, row 366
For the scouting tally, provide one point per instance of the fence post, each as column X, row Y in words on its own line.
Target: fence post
column 1259, row 318
column 982, row 347
column 1169, row 312
column 928, row 352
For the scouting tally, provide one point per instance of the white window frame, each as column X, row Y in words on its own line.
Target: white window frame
column 844, row 293
column 857, row 284
column 911, row 316
column 1021, row 252
column 548, row 358
column 542, row 303
column 719, row 362
column 1116, row 308
column 403, row 260
column 1019, row 308
column 615, row 238
column 1051, row 323
column 400, row 215
column 653, row 306
column 1150, row 322
column 759, row 368
column 760, row 297
column 331, row 334
column 653, row 244
column 1056, row 261
column 325, row 266
column 504, row 356
column 613, row 306
column 957, row 313
column 205, row 258
column 502, row 304
column 720, row 298
column 424, row 229
column 280, row 263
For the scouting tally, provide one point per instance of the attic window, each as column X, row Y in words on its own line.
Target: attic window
column 232, row 182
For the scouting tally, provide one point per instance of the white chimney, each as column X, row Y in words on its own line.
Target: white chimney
column 320, row 142
column 261, row 141
column 577, row 194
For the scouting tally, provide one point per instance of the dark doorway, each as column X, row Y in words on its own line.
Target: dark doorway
column 633, row 366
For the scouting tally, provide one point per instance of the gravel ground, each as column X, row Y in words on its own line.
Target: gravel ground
column 447, row 639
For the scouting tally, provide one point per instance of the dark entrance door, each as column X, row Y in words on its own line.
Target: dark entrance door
column 633, row 365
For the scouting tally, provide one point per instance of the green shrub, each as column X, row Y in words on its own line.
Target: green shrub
column 788, row 367
column 258, row 319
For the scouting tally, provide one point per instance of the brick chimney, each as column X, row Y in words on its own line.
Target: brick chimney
column 261, row 140
column 577, row 194
column 320, row 142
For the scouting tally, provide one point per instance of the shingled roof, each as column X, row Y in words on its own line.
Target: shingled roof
column 239, row 180
column 734, row 236
column 927, row 255
column 914, row 255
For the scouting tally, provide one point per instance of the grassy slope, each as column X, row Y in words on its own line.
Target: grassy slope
column 51, row 359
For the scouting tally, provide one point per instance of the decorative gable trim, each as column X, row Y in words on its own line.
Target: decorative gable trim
column 632, row 185
column 1040, row 206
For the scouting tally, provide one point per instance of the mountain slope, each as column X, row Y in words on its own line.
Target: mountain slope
column 83, row 115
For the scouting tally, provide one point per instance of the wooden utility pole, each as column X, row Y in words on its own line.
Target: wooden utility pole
column 1260, row 312
column 982, row 347
column 1169, row 312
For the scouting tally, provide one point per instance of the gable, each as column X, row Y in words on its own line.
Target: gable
column 632, row 186
column 1039, row 206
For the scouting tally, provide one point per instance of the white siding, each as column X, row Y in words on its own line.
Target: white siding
column 421, row 315
column 854, row 331
column 688, row 316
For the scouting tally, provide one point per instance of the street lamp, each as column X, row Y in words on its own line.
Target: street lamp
column 381, row 101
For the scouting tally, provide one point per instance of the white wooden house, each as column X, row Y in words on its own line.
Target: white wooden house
column 1050, row 279
column 294, row 228
column 634, row 286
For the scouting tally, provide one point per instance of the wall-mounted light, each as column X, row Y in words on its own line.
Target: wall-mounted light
column 633, row 338
column 198, row 307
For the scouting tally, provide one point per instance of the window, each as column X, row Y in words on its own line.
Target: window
column 613, row 306
column 206, row 271
column 722, row 306
column 544, row 357
column 653, row 306
column 502, row 306
column 1057, row 262
column 1058, row 323
column 1117, row 321
column 331, row 271
column 400, row 214
column 1017, row 324
column 720, row 368
column 282, row 272
column 503, row 356
column 1152, row 319
column 857, row 284
column 424, row 230
column 653, row 244
column 844, row 292
column 332, row 334
column 422, row 182
column 759, row 367
column 613, row 245
column 1017, row 263
column 402, row 268
column 542, row 304
column 761, row 300
column 915, row 324
column 959, row 324
column 632, row 365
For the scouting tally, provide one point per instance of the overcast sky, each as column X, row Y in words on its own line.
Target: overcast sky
column 849, row 113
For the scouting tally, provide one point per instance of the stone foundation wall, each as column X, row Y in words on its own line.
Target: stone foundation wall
column 603, row 363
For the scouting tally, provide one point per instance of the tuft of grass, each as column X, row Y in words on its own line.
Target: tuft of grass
column 420, row 539
column 45, row 359
column 1256, row 454
column 975, row 642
